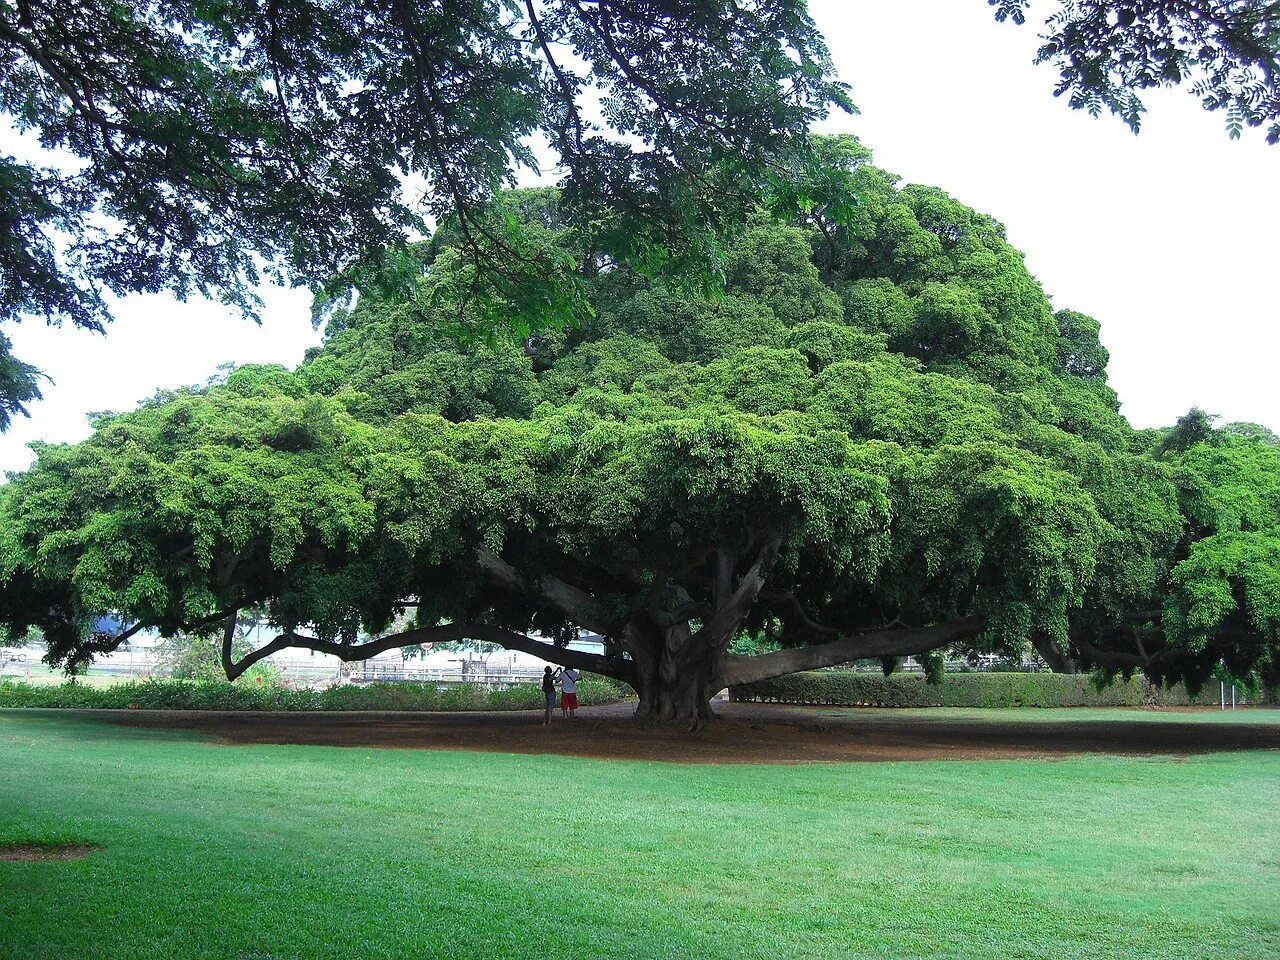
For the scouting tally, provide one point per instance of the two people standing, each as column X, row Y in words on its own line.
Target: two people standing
column 568, row 692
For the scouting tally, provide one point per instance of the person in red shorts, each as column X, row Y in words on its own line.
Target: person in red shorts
column 569, row 692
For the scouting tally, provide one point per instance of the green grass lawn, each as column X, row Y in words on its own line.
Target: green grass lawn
column 1006, row 716
column 297, row 852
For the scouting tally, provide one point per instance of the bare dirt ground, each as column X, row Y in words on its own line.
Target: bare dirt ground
column 745, row 733
column 34, row 852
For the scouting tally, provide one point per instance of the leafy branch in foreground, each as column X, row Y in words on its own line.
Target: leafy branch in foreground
column 1226, row 51
column 203, row 144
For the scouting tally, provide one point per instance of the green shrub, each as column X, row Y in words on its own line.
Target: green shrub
column 849, row 689
column 525, row 696
column 206, row 695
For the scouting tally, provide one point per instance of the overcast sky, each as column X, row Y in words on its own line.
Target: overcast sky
column 1168, row 238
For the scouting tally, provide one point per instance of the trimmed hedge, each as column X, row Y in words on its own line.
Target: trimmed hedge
column 849, row 689
column 188, row 695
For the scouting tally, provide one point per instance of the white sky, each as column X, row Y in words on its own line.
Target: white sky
column 1168, row 238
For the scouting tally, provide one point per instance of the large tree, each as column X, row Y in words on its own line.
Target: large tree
column 880, row 440
column 200, row 143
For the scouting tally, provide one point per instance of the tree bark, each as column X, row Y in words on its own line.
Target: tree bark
column 1058, row 661
column 681, row 696
column 618, row 669
column 673, row 673
column 898, row 642
column 677, row 674
column 677, row 669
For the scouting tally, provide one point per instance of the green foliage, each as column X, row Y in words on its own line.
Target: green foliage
column 934, row 667
column 1253, row 431
column 19, row 385
column 1107, row 53
column 749, row 643
column 882, row 410
column 1195, row 427
column 210, row 143
column 1080, row 352
column 34, row 637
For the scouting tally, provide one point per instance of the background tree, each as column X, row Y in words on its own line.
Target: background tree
column 1107, row 53
column 879, row 441
column 198, row 656
column 205, row 143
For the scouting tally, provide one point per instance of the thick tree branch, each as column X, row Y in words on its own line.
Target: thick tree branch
column 228, row 638
column 619, row 669
column 107, row 644
column 1120, row 659
column 730, row 610
column 576, row 604
column 879, row 643
column 1058, row 660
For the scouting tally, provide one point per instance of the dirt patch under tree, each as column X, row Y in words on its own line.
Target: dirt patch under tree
column 745, row 733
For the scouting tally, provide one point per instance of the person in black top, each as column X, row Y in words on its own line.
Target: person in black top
column 549, row 692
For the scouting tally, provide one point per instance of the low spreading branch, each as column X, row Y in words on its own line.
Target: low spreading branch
column 879, row 643
column 1119, row 659
column 105, row 643
column 108, row 644
column 444, row 633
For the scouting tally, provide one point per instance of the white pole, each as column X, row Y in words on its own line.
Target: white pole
column 1233, row 696
column 1222, row 695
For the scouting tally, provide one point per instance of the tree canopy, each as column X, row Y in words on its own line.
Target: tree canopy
column 879, row 440
column 205, row 143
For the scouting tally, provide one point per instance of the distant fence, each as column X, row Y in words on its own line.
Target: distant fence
column 850, row 689
column 469, row 672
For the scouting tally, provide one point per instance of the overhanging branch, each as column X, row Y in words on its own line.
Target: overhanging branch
column 1119, row 659
column 444, row 633
column 107, row 644
column 879, row 643
column 576, row 604
column 104, row 643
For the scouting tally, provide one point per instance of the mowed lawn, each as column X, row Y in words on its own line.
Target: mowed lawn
column 261, row 852
column 1087, row 716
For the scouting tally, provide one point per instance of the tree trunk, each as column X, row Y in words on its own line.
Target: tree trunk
column 677, row 671
column 677, row 668
column 677, row 696
column 674, row 679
